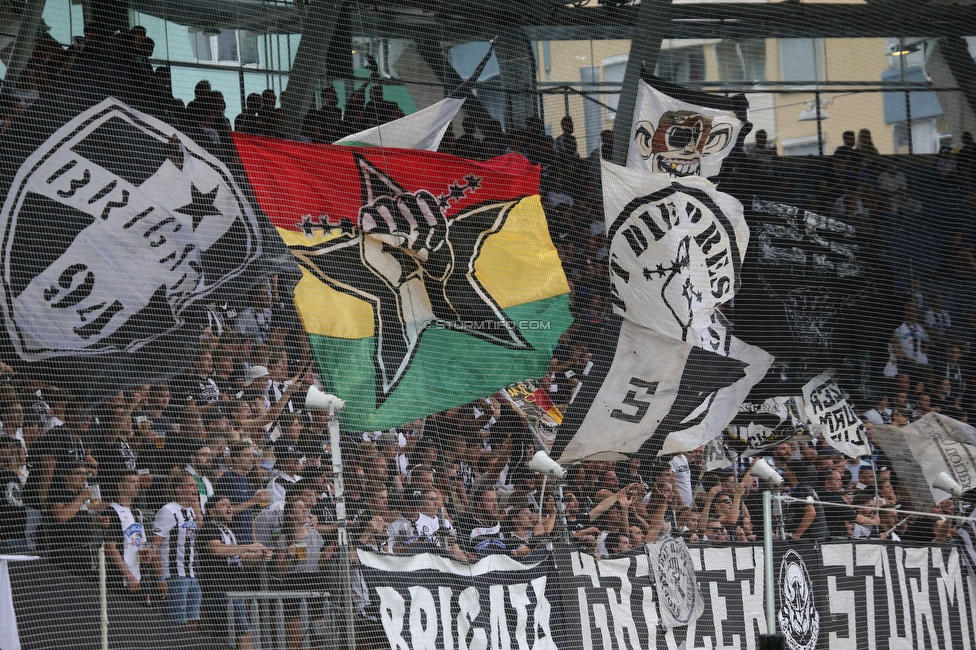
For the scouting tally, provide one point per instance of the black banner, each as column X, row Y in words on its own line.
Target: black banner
column 839, row 595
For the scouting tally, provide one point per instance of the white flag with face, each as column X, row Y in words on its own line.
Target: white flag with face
column 676, row 250
column 670, row 136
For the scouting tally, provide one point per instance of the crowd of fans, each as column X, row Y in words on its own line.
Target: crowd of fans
column 193, row 483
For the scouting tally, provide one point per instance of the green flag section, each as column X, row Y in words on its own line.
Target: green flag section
column 427, row 280
column 441, row 375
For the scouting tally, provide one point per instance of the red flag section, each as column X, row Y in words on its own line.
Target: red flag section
column 321, row 182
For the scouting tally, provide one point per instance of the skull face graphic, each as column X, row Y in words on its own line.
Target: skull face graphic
column 680, row 140
column 798, row 616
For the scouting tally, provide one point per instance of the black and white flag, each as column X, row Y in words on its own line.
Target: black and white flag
column 762, row 425
column 806, row 286
column 119, row 229
column 654, row 394
column 832, row 416
column 676, row 247
column 926, row 448
column 682, row 132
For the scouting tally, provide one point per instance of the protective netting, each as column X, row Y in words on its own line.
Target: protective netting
column 294, row 294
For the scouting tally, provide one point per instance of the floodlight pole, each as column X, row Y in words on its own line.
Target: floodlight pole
column 768, row 561
column 342, row 532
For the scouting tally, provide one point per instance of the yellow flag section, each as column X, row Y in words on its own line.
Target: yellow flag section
column 516, row 267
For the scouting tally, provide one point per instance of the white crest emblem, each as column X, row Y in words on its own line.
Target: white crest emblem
column 798, row 617
column 112, row 229
column 677, row 249
column 678, row 587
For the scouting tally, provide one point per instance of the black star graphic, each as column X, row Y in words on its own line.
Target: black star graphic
column 474, row 182
column 201, row 205
column 457, row 191
column 457, row 299
column 310, row 224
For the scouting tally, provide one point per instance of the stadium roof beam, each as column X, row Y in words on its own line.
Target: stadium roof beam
column 547, row 20
column 320, row 24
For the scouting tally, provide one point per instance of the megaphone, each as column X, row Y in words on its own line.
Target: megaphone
column 945, row 483
column 544, row 465
column 764, row 472
column 316, row 400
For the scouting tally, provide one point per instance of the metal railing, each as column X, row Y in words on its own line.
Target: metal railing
column 266, row 617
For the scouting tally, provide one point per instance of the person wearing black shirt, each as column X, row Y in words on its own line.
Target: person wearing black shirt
column 113, row 451
column 805, row 520
column 71, row 522
column 480, row 529
column 840, row 514
column 226, row 377
column 13, row 513
column 221, row 563
column 59, row 450
column 196, row 391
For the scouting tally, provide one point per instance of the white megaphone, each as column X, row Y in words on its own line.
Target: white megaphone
column 544, row 465
column 764, row 472
column 316, row 400
column 945, row 483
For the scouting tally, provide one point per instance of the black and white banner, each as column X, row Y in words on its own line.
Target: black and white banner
column 928, row 447
column 656, row 395
column 682, row 132
column 676, row 247
column 833, row 417
column 762, row 425
column 427, row 601
column 812, row 268
column 834, row 596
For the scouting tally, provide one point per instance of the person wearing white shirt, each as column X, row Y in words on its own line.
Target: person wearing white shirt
column 125, row 546
column 880, row 413
column 287, row 463
column 432, row 518
column 909, row 340
column 682, row 479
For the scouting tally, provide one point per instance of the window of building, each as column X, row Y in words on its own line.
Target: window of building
column 804, row 146
column 802, row 59
column 229, row 47
column 682, row 65
column 741, row 61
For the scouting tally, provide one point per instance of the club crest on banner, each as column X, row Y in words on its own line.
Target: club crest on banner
column 675, row 256
column 677, row 586
column 798, row 618
column 136, row 244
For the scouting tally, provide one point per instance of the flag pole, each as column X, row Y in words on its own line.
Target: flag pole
column 653, row 19
column 465, row 88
